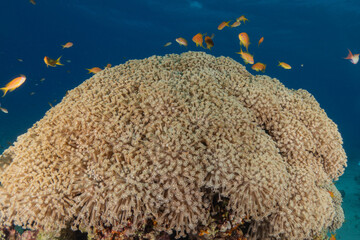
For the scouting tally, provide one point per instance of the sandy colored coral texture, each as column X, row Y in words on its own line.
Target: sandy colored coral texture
column 145, row 138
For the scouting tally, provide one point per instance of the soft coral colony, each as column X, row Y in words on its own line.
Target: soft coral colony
column 159, row 140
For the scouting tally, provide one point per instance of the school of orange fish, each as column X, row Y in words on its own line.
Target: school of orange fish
column 244, row 41
column 198, row 39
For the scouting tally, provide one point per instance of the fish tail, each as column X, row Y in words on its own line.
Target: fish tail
column 4, row 90
column 350, row 55
column 63, row 46
column 58, row 61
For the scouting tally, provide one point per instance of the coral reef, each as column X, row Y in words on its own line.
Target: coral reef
column 158, row 139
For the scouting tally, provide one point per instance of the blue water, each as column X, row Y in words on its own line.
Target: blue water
column 314, row 33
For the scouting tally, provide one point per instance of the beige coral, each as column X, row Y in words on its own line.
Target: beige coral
column 145, row 138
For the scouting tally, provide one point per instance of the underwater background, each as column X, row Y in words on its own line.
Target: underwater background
column 312, row 36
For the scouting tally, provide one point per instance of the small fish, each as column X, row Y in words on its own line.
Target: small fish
column 333, row 237
column 51, row 62
column 244, row 40
column 284, row 65
column 302, row 65
column 108, row 65
column 43, row 79
column 235, row 24
column 209, row 41
column 13, row 84
column 242, row 18
column 198, row 40
column 67, row 45
column 94, row 70
column 32, row 93
column 203, row 232
column 20, row 60
column 4, row 110
column 261, row 40
column 50, row 104
column 259, row 67
column 68, row 61
column 182, row 41
column 167, row 44
column 354, row 59
column 32, row 2
column 247, row 57
column 223, row 24
column 331, row 194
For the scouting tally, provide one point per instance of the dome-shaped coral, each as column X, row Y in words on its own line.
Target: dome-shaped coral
column 149, row 138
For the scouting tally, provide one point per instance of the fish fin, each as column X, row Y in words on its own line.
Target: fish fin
column 12, row 89
column 350, row 55
column 4, row 90
column 63, row 46
column 58, row 61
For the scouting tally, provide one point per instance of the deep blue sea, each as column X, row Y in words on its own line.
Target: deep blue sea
column 314, row 33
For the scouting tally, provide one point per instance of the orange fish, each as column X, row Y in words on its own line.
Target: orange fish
column 13, row 84
column 167, row 44
column 259, row 67
column 333, row 237
column 33, row 2
column 51, row 62
column 67, row 45
column 284, row 65
column 182, row 41
column 198, row 39
column 242, row 18
column 94, row 70
column 261, row 40
column 331, row 194
column 354, row 59
column 223, row 24
column 209, row 41
column 244, row 40
column 247, row 57
column 235, row 24
column 203, row 232
column 108, row 65
column 4, row 110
